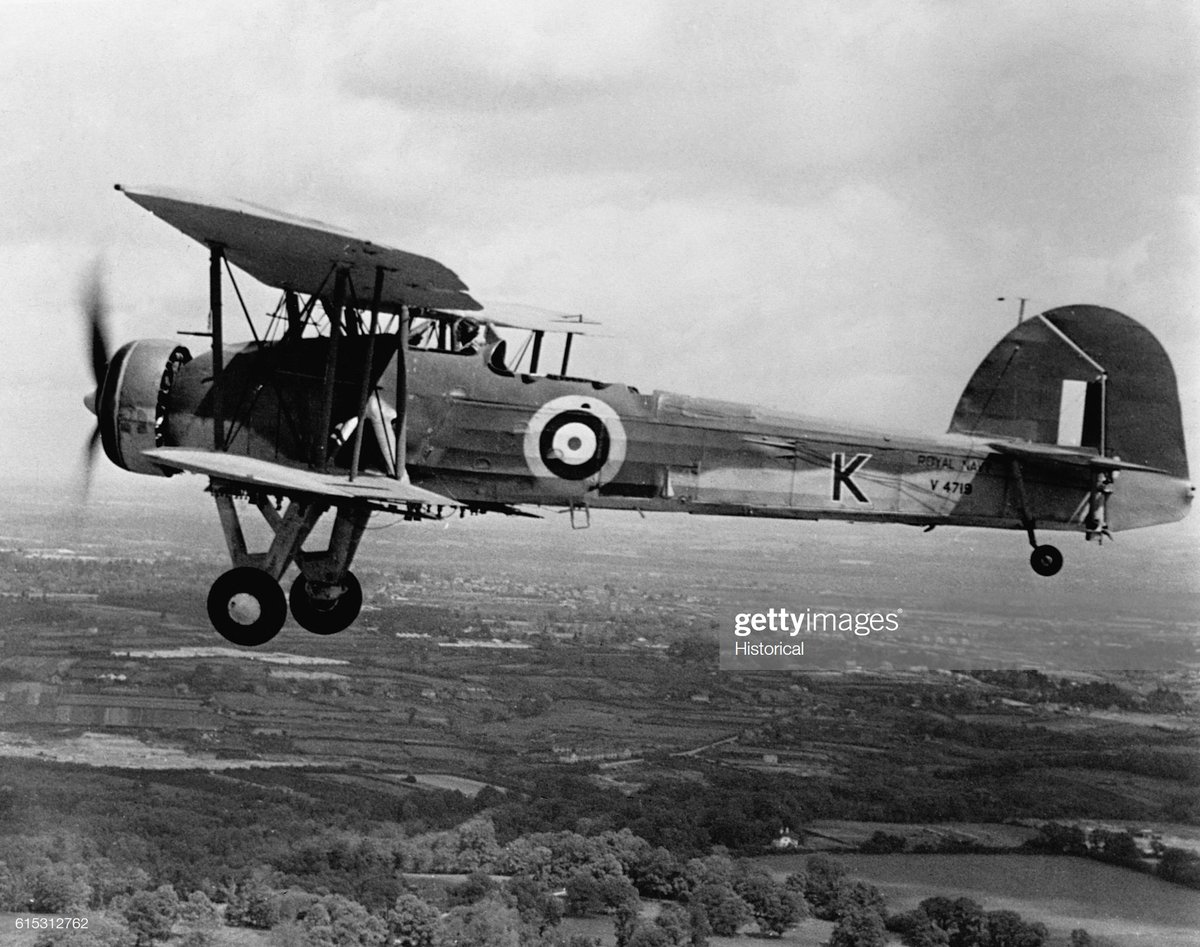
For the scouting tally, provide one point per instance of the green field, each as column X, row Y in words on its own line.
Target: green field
column 1063, row 893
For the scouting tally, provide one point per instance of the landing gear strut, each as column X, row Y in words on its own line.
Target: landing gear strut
column 1045, row 559
column 247, row 605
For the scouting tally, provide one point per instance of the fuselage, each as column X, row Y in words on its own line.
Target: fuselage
column 482, row 434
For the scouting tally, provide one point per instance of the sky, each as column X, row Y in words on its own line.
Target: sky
column 809, row 205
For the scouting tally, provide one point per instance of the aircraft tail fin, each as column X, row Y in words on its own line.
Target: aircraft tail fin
column 1080, row 376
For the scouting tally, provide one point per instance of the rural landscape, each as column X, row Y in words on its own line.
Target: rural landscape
column 526, row 739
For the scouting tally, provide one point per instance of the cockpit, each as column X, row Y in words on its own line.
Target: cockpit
column 460, row 334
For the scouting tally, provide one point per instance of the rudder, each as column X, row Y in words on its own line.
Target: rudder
column 1109, row 365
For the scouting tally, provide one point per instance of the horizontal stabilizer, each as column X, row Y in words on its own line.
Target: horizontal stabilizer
column 1050, row 454
column 377, row 490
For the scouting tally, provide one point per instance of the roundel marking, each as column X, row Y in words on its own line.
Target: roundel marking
column 574, row 444
column 575, row 438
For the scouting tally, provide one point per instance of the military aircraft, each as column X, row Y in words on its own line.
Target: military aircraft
column 381, row 384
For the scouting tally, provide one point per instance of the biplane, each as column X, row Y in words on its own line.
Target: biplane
column 382, row 385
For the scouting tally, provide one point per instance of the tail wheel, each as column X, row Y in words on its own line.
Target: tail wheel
column 246, row 606
column 326, row 609
column 1046, row 560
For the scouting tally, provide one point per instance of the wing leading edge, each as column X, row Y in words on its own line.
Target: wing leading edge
column 378, row 491
column 290, row 252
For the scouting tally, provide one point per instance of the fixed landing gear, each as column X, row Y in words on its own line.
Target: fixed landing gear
column 325, row 608
column 1046, row 560
column 247, row 605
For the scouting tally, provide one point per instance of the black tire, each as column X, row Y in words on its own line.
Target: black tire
column 326, row 616
column 247, row 607
column 1046, row 560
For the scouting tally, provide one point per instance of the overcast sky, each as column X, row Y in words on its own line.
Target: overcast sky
column 811, row 205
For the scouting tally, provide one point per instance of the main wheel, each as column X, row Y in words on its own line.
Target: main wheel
column 326, row 609
column 1046, row 560
column 246, row 606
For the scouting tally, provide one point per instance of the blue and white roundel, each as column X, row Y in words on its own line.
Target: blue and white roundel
column 575, row 438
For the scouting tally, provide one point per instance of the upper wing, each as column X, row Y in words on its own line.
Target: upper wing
column 377, row 490
column 1066, row 456
column 296, row 253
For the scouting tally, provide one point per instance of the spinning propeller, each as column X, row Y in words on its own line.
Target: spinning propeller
column 95, row 313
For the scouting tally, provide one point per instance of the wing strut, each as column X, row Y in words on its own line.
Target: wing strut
column 537, row 351
column 402, row 394
column 294, row 317
column 216, row 255
column 364, row 392
column 335, row 331
column 567, row 353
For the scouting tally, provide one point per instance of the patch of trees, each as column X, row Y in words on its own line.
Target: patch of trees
column 764, row 804
column 961, row 922
column 1176, row 865
column 1019, row 781
column 1113, row 847
column 142, row 919
column 1180, row 866
column 1156, row 763
column 518, row 913
column 1036, row 687
column 355, row 867
column 607, row 874
column 883, row 843
column 694, row 649
column 346, row 888
column 190, row 828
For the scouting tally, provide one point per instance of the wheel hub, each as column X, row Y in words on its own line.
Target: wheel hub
column 325, row 594
column 245, row 609
column 325, row 608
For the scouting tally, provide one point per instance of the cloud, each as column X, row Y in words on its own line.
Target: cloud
column 812, row 204
column 488, row 57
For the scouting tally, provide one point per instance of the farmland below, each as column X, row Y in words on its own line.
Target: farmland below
column 519, row 682
column 1064, row 894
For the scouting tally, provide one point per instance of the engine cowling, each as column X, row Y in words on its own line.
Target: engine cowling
column 134, row 399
